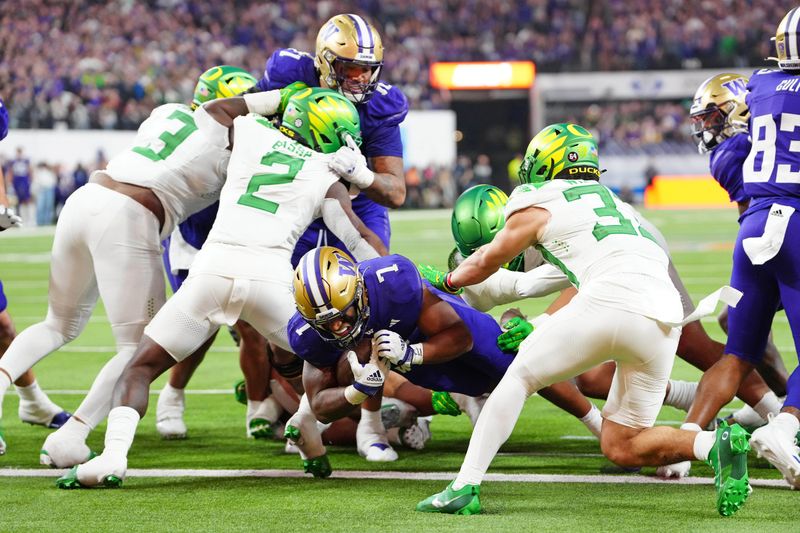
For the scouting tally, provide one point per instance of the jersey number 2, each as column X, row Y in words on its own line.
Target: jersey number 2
column 274, row 177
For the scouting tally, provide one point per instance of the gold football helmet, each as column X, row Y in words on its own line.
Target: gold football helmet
column 348, row 45
column 719, row 110
column 787, row 41
column 329, row 294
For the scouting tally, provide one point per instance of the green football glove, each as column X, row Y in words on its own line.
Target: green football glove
column 437, row 278
column 289, row 91
column 515, row 331
column 444, row 404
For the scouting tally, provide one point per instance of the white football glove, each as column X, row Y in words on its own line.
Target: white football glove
column 8, row 218
column 350, row 164
column 388, row 345
column 367, row 379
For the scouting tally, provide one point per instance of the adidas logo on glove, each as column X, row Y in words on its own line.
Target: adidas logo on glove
column 375, row 377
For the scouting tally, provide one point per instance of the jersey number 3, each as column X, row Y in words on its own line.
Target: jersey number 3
column 609, row 209
column 278, row 161
column 171, row 140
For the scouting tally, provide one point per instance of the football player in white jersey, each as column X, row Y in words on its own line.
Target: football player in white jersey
column 627, row 309
column 278, row 183
column 108, row 243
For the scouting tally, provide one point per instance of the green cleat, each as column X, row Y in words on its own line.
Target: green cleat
column 728, row 458
column 465, row 501
column 239, row 392
column 70, row 481
column 292, row 433
column 319, row 467
column 260, row 428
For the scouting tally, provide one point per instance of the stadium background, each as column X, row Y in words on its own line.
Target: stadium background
column 79, row 76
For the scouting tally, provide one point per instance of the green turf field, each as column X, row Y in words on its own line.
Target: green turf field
column 546, row 441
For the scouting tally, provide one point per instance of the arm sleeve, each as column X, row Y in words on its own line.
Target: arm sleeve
column 339, row 223
column 506, row 286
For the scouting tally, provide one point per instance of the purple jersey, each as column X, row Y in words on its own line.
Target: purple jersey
column 726, row 165
column 394, row 290
column 380, row 120
column 772, row 168
column 3, row 120
column 3, row 300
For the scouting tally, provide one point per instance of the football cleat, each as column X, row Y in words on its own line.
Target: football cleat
column 260, row 428
column 728, row 458
column 416, row 436
column 319, row 467
column 3, row 446
column 374, row 447
column 781, row 452
column 102, row 471
column 169, row 416
column 45, row 414
column 396, row 413
column 674, row 471
column 465, row 501
column 240, row 392
column 63, row 451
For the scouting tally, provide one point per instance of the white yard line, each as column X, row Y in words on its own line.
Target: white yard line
column 361, row 474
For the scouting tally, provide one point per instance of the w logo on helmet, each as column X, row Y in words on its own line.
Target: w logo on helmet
column 737, row 87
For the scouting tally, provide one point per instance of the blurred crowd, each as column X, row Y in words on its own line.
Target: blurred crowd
column 106, row 64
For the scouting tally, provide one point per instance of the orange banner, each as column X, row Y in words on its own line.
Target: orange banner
column 483, row 75
column 685, row 191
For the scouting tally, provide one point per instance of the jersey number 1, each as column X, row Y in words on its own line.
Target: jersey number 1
column 275, row 177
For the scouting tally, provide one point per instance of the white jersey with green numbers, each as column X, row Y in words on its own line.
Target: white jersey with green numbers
column 599, row 244
column 181, row 156
column 275, row 189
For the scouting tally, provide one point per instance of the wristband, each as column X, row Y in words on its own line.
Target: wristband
column 416, row 350
column 449, row 286
column 354, row 396
column 264, row 103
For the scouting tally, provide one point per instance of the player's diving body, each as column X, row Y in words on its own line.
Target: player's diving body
column 627, row 309
column 34, row 405
column 765, row 262
column 349, row 59
column 381, row 310
column 278, row 182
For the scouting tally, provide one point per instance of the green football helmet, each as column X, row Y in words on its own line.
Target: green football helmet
column 560, row 151
column 221, row 81
column 477, row 216
column 321, row 119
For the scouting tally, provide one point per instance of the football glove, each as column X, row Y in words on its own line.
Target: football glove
column 289, row 91
column 350, row 164
column 390, row 346
column 444, row 404
column 437, row 278
column 8, row 218
column 367, row 378
column 515, row 331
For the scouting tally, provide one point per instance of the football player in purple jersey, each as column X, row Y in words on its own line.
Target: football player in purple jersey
column 381, row 310
column 766, row 258
column 34, row 405
column 719, row 117
column 348, row 58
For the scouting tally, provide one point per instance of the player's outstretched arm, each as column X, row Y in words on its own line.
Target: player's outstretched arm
column 523, row 229
column 338, row 215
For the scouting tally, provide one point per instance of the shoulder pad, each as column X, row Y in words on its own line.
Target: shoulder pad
column 286, row 66
column 388, row 105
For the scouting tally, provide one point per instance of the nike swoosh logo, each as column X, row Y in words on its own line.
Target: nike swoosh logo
column 444, row 503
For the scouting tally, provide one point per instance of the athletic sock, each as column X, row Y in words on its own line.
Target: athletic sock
column 703, row 443
column 268, row 409
column 372, row 420
column 122, row 422
column 593, row 420
column 75, row 429
column 171, row 396
column 769, row 404
column 681, row 394
column 33, row 393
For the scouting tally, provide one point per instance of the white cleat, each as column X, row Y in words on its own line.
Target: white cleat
column 169, row 417
column 396, row 413
column 780, row 450
column 374, row 447
column 416, row 436
column 45, row 413
column 103, row 471
column 61, row 450
column 674, row 471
